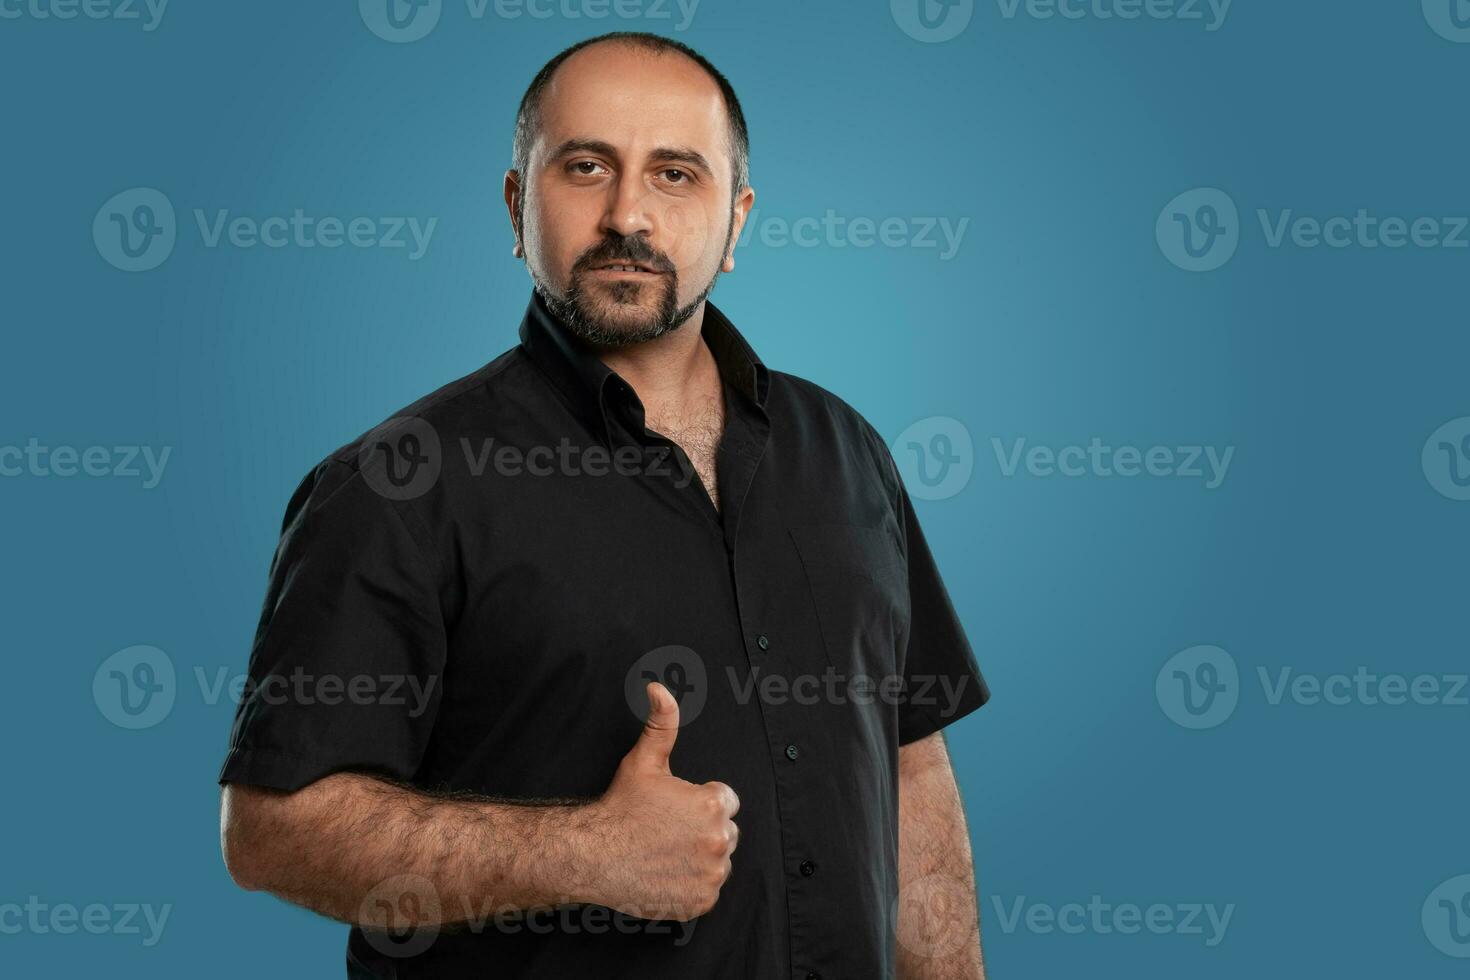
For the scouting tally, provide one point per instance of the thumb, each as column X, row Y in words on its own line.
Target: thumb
column 657, row 739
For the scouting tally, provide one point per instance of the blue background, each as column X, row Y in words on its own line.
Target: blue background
column 1059, row 319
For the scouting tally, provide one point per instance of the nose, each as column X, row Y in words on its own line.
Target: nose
column 628, row 212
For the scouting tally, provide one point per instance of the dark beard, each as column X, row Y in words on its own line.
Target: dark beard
column 578, row 311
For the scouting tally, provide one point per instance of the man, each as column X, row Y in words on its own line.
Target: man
column 623, row 656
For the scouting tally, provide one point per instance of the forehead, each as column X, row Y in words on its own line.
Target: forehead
column 634, row 100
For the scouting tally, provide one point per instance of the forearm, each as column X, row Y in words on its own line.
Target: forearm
column 367, row 852
column 938, row 917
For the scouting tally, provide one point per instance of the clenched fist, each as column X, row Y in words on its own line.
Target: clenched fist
column 662, row 845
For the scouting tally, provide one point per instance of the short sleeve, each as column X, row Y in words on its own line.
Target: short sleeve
column 942, row 681
column 346, row 667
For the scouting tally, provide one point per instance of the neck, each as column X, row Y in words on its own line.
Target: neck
column 668, row 369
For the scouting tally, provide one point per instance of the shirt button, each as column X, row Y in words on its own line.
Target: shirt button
column 791, row 752
column 807, row 869
column 762, row 642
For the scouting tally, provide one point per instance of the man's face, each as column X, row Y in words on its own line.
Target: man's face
column 631, row 168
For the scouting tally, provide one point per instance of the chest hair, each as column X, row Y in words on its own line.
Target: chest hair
column 697, row 429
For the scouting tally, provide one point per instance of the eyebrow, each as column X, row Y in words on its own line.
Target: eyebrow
column 678, row 154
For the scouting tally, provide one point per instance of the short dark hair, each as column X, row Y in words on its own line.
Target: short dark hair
column 528, row 117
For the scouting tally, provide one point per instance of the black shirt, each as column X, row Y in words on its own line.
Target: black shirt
column 472, row 596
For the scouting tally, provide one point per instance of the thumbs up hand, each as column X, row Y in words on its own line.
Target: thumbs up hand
column 663, row 845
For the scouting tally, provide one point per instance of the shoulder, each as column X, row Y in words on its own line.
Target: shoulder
column 399, row 458
column 807, row 402
column 814, row 412
column 454, row 409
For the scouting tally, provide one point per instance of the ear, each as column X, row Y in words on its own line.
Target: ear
column 512, row 200
column 743, row 202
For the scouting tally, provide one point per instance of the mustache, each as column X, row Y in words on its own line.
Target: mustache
column 628, row 251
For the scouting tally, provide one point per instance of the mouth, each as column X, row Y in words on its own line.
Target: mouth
column 626, row 268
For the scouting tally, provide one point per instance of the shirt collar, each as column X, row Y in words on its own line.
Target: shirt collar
column 591, row 387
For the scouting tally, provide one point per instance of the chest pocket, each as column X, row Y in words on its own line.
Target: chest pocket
column 859, row 586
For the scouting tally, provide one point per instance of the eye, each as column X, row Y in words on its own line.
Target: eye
column 683, row 177
column 591, row 165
